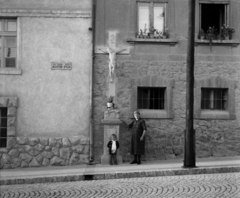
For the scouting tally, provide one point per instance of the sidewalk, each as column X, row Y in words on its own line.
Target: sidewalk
column 126, row 170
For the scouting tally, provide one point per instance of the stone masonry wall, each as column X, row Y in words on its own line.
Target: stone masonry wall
column 36, row 152
column 165, row 137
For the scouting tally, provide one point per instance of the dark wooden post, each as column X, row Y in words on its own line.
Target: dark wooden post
column 189, row 149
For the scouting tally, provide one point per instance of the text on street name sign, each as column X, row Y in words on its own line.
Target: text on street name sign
column 61, row 66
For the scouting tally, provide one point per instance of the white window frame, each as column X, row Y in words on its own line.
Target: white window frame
column 151, row 13
column 12, row 70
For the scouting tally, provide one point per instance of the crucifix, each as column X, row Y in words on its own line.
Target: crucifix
column 112, row 61
column 112, row 51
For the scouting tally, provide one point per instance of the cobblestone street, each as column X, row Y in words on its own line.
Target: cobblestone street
column 211, row 185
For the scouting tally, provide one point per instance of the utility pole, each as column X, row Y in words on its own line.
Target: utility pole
column 189, row 149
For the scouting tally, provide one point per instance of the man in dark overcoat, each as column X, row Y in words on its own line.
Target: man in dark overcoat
column 138, row 129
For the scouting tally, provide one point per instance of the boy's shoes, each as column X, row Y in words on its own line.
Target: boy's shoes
column 139, row 162
column 133, row 162
column 115, row 163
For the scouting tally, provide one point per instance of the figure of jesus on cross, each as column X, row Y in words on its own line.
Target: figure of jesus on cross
column 112, row 61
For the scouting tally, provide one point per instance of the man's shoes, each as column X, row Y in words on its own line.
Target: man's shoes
column 134, row 162
column 139, row 162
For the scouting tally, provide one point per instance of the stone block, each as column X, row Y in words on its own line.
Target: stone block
column 79, row 149
column 44, row 141
column 83, row 158
column 11, row 131
column 16, row 162
column 75, row 140
column 39, row 158
column 52, row 142
column 65, row 153
column 13, row 102
column 84, row 140
column 11, row 141
column 56, row 151
column 3, row 101
column 74, row 159
column 33, row 141
column 45, row 162
column 47, row 154
column 59, row 143
column 86, row 149
column 24, row 164
column 48, row 148
column 14, row 153
column 39, row 147
column 11, row 121
column 12, row 111
column 34, row 163
column 66, row 142
column 22, row 140
column 57, row 161
column 26, row 157
column 5, row 159
column 30, row 150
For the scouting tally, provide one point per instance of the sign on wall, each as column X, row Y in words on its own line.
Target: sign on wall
column 61, row 66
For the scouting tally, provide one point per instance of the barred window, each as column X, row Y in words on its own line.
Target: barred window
column 214, row 98
column 3, row 127
column 8, row 43
column 151, row 98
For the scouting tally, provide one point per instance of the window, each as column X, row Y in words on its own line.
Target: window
column 8, row 43
column 3, row 127
column 214, row 99
column 151, row 15
column 151, row 98
column 213, row 15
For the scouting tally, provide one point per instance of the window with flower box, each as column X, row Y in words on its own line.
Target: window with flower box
column 152, row 20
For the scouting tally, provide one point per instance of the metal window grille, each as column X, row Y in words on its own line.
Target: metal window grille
column 214, row 99
column 3, row 127
column 151, row 98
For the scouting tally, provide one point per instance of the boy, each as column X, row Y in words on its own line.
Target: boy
column 113, row 145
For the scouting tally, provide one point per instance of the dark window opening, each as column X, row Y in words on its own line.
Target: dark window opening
column 213, row 15
column 3, row 127
column 214, row 99
column 151, row 98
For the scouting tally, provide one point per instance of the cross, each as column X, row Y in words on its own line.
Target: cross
column 112, row 50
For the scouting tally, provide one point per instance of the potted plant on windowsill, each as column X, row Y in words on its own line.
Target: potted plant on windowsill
column 211, row 35
column 110, row 103
column 226, row 32
column 151, row 32
column 166, row 33
column 201, row 34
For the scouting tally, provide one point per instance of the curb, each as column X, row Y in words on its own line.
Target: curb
column 120, row 175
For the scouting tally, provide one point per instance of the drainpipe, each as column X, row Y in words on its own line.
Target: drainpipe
column 93, row 29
